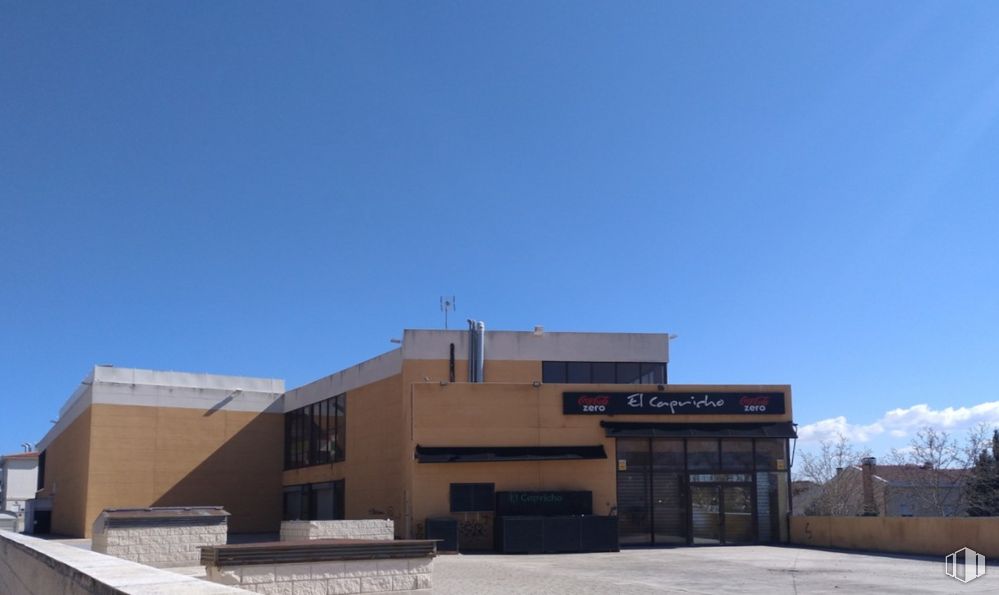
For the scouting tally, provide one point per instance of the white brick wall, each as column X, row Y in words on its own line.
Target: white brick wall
column 400, row 575
column 162, row 547
column 353, row 529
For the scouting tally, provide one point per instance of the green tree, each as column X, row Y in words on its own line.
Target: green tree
column 982, row 488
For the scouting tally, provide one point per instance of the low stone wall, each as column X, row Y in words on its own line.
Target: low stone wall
column 162, row 541
column 400, row 575
column 354, row 529
column 31, row 566
column 326, row 566
column 931, row 536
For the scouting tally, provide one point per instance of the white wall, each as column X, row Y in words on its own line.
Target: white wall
column 20, row 477
column 30, row 566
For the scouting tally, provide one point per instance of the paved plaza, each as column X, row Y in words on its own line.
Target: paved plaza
column 708, row 570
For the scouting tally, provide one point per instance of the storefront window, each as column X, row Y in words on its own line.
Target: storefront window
column 737, row 454
column 701, row 490
column 702, row 454
column 771, row 507
column 770, row 454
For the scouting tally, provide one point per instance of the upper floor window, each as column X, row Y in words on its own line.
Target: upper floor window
column 603, row 372
column 316, row 434
column 472, row 497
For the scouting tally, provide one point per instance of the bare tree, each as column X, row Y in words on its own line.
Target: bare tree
column 832, row 467
column 934, row 467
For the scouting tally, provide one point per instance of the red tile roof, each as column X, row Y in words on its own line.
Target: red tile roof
column 916, row 473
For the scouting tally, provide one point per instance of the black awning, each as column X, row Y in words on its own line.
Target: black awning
column 621, row 429
column 480, row 454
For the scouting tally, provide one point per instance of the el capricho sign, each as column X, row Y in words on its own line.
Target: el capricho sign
column 673, row 403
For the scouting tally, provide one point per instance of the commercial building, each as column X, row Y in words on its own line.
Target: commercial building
column 437, row 428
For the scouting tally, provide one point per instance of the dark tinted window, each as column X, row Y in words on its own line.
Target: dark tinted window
column 316, row 434
column 294, row 504
column 604, row 373
column 472, row 497
column 553, row 371
column 628, row 373
column 41, row 470
column 314, row 501
column 652, row 373
column 579, row 372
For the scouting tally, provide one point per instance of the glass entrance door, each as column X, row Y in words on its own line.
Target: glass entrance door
column 721, row 513
column 705, row 514
column 737, row 515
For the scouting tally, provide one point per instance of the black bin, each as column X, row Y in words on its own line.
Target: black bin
column 444, row 529
column 599, row 534
column 520, row 534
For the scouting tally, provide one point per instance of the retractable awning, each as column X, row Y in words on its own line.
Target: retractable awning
column 480, row 454
column 622, row 429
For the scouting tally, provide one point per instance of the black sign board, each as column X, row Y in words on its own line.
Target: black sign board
column 546, row 503
column 673, row 403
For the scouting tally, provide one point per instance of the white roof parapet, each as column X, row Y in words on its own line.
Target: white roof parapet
column 528, row 345
column 372, row 370
column 154, row 388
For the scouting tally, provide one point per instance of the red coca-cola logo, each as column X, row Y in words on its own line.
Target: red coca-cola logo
column 751, row 401
column 593, row 400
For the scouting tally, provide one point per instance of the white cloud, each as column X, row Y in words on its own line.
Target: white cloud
column 899, row 422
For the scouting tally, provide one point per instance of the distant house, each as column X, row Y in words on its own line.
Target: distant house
column 18, row 482
column 896, row 490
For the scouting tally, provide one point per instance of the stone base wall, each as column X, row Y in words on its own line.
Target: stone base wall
column 400, row 575
column 32, row 566
column 354, row 529
column 162, row 547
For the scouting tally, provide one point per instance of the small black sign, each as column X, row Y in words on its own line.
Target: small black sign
column 543, row 503
column 673, row 403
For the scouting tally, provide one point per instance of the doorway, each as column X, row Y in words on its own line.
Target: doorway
column 721, row 514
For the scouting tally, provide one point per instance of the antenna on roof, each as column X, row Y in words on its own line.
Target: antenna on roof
column 447, row 303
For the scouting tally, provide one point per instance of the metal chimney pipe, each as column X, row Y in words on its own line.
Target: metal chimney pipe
column 476, row 350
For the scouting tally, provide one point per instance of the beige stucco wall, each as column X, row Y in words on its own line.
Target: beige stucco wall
column 373, row 467
column 933, row 536
column 67, row 464
column 136, row 456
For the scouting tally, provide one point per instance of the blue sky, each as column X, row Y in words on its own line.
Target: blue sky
column 806, row 193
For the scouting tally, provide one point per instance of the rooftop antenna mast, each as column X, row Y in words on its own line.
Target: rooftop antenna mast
column 447, row 303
